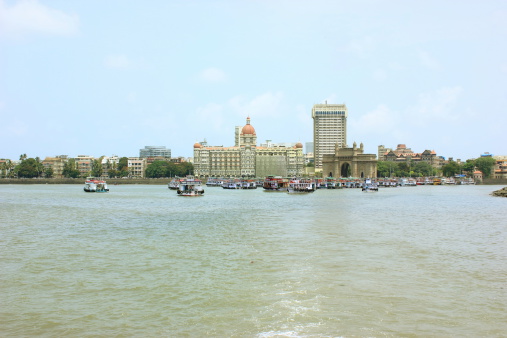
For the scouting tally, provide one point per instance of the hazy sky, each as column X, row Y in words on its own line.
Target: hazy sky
column 110, row 77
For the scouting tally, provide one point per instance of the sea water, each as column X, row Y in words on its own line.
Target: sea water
column 142, row 261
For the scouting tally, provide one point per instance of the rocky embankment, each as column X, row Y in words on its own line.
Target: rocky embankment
column 501, row 193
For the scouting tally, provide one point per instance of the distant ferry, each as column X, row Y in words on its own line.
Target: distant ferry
column 93, row 184
column 275, row 183
column 190, row 186
column 301, row 186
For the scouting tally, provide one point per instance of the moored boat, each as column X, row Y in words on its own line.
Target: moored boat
column 190, row 186
column 93, row 184
column 248, row 184
column 173, row 185
column 301, row 186
column 275, row 183
column 369, row 186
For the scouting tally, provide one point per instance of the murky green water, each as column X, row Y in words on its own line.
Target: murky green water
column 142, row 261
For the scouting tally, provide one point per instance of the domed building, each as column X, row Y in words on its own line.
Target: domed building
column 246, row 159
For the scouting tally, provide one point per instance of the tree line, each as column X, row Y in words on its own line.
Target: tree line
column 34, row 168
column 421, row 169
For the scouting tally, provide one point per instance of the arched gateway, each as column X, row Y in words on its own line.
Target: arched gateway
column 350, row 162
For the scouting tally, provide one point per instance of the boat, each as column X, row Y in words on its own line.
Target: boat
column 301, row 186
column 93, row 184
column 275, row 183
column 173, row 185
column 369, row 186
column 248, row 184
column 331, row 183
column 190, row 186
column 214, row 182
column 231, row 184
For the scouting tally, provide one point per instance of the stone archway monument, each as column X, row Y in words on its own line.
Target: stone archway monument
column 352, row 162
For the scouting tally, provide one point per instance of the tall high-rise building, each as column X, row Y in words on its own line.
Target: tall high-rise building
column 329, row 128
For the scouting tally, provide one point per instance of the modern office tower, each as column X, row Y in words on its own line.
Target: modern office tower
column 329, row 129
column 154, row 151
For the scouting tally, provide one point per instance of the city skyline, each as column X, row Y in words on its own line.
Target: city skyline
column 110, row 78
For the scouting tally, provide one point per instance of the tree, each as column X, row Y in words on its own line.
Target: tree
column 485, row 165
column 157, row 169
column 386, row 168
column 70, row 169
column 49, row 173
column 123, row 167
column 450, row 169
column 423, row 169
column 97, row 168
column 28, row 168
column 468, row 166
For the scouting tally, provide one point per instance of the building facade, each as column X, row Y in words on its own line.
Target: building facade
column 246, row 159
column 349, row 162
column 404, row 154
column 329, row 129
column 155, row 151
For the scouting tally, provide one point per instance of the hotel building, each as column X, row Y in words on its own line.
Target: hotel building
column 246, row 159
column 329, row 129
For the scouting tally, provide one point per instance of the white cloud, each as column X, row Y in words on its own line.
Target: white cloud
column 213, row 75
column 380, row 75
column 436, row 107
column 428, row 61
column 361, row 47
column 117, row 61
column 29, row 17
column 267, row 104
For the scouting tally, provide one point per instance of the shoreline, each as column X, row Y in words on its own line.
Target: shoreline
column 154, row 181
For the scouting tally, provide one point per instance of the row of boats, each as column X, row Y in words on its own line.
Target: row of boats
column 191, row 186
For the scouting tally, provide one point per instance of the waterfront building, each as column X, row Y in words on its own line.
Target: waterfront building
column 84, row 164
column 154, row 151
column 329, row 129
column 349, row 162
column 246, row 159
column 500, row 169
column 56, row 163
column 404, row 154
column 137, row 166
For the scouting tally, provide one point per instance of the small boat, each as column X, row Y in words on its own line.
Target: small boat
column 231, row 184
column 275, row 183
column 248, row 184
column 301, row 186
column 173, row 185
column 93, row 184
column 190, row 186
column 369, row 186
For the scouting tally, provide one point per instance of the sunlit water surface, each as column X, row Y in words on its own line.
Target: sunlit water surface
column 142, row 261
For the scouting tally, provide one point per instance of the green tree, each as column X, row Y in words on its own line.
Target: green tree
column 423, row 169
column 450, row 169
column 386, row 168
column 468, row 166
column 28, row 168
column 157, row 169
column 97, row 167
column 485, row 165
column 123, row 167
column 70, row 169
column 49, row 173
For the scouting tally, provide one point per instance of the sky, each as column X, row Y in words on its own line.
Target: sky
column 111, row 77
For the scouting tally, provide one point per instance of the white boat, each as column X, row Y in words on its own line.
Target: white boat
column 93, row 184
column 248, row 184
column 231, row 184
column 301, row 186
column 369, row 186
column 174, row 184
column 190, row 186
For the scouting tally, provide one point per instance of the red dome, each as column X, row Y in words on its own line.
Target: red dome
column 299, row 145
column 197, row 145
column 248, row 129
